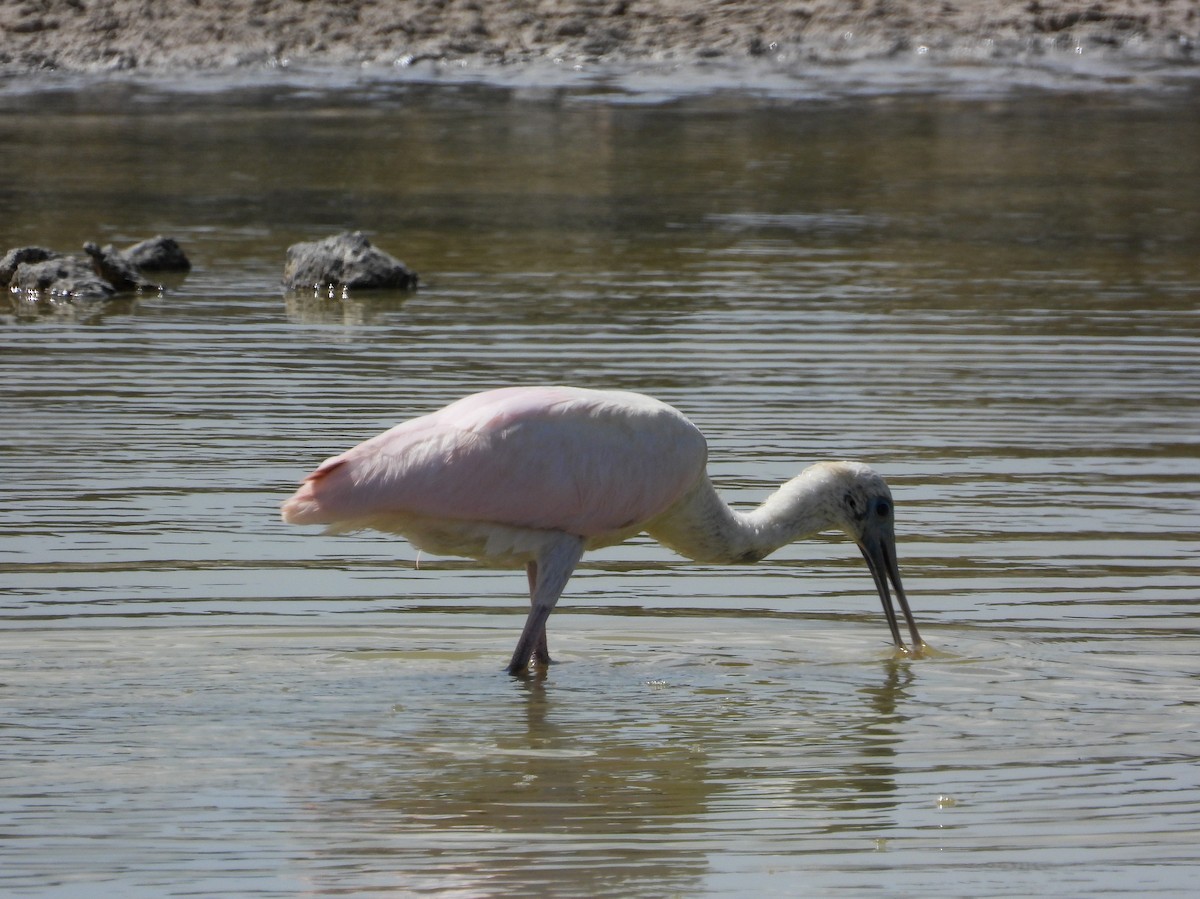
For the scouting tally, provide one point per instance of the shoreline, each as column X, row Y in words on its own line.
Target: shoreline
column 73, row 37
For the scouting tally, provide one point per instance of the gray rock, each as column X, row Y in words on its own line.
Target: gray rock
column 17, row 255
column 345, row 260
column 111, row 265
column 108, row 271
column 63, row 276
column 158, row 254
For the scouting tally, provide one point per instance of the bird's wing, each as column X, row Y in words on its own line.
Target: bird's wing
column 585, row 462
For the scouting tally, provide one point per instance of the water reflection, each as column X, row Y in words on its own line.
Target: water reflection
column 348, row 309
column 561, row 794
column 28, row 307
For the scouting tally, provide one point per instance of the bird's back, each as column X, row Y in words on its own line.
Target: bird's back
column 586, row 462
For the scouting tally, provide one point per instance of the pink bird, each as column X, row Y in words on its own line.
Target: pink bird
column 535, row 476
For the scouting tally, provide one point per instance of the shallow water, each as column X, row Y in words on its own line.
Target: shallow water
column 994, row 300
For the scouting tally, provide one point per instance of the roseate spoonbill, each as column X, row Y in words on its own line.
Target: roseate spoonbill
column 534, row 476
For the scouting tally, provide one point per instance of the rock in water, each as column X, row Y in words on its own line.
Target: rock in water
column 111, row 265
column 68, row 276
column 18, row 255
column 158, row 254
column 345, row 260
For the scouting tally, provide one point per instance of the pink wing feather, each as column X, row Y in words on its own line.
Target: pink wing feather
column 582, row 461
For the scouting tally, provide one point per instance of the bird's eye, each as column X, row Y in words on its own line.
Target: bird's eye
column 883, row 508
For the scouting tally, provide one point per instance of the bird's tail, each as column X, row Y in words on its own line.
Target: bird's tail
column 304, row 506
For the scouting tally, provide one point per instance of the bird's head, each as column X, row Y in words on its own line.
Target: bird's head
column 863, row 508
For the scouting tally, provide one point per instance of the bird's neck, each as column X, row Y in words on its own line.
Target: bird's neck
column 703, row 527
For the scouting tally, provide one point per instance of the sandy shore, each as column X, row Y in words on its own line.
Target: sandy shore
column 145, row 35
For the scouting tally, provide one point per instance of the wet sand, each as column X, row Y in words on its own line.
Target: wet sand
column 125, row 35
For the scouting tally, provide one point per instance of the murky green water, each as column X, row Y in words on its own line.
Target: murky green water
column 994, row 300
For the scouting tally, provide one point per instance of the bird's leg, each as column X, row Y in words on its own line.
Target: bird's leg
column 554, row 565
column 541, row 651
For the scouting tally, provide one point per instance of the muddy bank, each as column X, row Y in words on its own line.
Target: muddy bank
column 90, row 36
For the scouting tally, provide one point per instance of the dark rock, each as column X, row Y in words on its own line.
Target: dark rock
column 106, row 272
column 158, row 254
column 111, row 265
column 63, row 276
column 17, row 255
column 345, row 260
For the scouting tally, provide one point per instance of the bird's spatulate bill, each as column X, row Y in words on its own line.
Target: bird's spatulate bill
column 881, row 559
